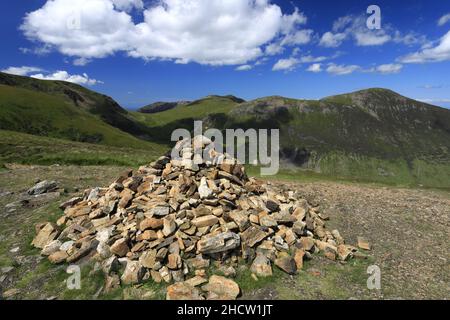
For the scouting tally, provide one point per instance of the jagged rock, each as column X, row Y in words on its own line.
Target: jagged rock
column 241, row 219
column 169, row 226
column 298, row 258
column 51, row 248
column 261, row 266
column 252, row 236
column 363, row 243
column 110, row 265
column 204, row 191
column 174, row 261
column 148, row 259
column 151, row 223
column 268, row 221
column 205, row 221
column 47, row 234
column 196, row 281
column 70, row 203
column 58, row 257
column 43, row 187
column 343, row 252
column 182, row 291
column 307, row 243
column 286, row 263
column 120, row 248
column 133, row 273
column 221, row 288
column 160, row 211
column 222, row 242
column 272, row 206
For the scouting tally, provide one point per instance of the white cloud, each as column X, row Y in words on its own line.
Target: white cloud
column 331, row 40
column 342, row 69
column 244, row 67
column 437, row 53
column 213, row 32
column 21, row 71
column 81, row 62
column 352, row 26
column 285, row 64
column 65, row 76
column 389, row 68
column 371, row 38
column 311, row 59
column 316, row 67
column 274, row 48
column 444, row 19
column 298, row 37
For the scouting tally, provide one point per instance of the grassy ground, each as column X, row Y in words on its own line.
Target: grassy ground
column 29, row 149
column 43, row 114
column 198, row 110
column 404, row 225
column 339, row 167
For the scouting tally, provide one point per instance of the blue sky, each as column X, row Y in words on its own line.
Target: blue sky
column 141, row 51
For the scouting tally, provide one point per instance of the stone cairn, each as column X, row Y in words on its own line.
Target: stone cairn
column 171, row 219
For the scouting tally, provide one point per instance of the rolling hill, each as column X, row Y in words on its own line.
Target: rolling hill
column 373, row 134
column 66, row 110
column 161, row 124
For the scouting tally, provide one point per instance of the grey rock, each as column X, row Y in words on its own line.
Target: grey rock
column 222, row 242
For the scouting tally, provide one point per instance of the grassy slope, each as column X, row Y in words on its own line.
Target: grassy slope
column 373, row 135
column 163, row 123
column 23, row 148
column 102, row 107
column 52, row 116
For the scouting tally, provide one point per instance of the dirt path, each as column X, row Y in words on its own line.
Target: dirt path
column 409, row 230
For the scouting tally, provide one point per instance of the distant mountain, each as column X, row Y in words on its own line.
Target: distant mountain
column 370, row 133
column 165, row 106
column 65, row 110
column 182, row 115
column 161, row 106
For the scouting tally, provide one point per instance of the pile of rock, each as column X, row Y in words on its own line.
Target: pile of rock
column 168, row 221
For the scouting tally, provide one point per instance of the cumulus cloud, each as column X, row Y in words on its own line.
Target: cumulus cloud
column 389, row 68
column 65, row 76
column 58, row 75
column 443, row 20
column 353, row 26
column 316, row 67
column 285, row 64
column 342, row 69
column 244, row 67
column 81, row 61
column 298, row 37
column 436, row 53
column 332, row 40
column 274, row 49
column 21, row 71
column 311, row 59
column 213, row 32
